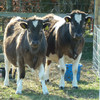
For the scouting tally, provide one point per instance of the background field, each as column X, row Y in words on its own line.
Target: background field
column 88, row 84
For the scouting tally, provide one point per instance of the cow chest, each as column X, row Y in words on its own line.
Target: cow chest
column 54, row 58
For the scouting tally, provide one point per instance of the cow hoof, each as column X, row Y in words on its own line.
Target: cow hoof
column 6, row 84
column 47, row 80
column 46, row 93
column 62, row 88
column 18, row 92
column 75, row 87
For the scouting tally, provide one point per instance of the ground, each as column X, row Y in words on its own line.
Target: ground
column 88, row 84
column 88, row 87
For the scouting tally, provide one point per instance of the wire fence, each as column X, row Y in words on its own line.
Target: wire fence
column 96, row 50
column 40, row 6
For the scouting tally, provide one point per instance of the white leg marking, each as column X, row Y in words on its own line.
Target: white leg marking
column 78, row 18
column 62, row 70
column 19, row 83
column 7, row 69
column 18, row 75
column 74, row 69
column 19, row 87
column 42, row 78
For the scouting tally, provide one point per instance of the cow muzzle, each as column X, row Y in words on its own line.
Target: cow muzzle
column 78, row 36
column 35, row 44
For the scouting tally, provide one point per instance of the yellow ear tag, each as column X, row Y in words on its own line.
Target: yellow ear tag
column 23, row 26
column 47, row 28
column 89, row 20
column 67, row 20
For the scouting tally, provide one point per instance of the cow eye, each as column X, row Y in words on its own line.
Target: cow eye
column 72, row 23
column 84, row 24
column 41, row 31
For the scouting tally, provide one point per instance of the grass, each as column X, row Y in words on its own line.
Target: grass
column 88, row 84
column 88, row 87
column 87, row 51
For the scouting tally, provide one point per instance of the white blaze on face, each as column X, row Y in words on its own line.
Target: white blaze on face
column 78, row 18
column 35, row 23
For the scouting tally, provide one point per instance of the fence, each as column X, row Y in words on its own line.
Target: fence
column 27, row 8
column 47, row 6
column 96, row 50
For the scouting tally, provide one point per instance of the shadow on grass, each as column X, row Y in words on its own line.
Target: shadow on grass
column 86, row 94
column 83, row 82
column 32, row 95
column 80, row 82
column 82, row 93
column 68, row 82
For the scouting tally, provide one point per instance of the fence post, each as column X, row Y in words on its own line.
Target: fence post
column 9, row 5
column 20, row 5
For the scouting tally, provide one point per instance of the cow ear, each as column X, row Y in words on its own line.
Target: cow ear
column 67, row 18
column 23, row 25
column 88, row 19
column 46, row 26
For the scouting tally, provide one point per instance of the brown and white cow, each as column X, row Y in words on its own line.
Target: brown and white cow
column 65, row 40
column 25, row 45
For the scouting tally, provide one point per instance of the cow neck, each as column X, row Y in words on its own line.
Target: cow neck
column 74, row 46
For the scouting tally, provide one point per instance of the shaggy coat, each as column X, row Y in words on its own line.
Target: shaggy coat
column 25, row 45
column 65, row 39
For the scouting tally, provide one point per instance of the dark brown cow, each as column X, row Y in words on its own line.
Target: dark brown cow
column 65, row 40
column 25, row 45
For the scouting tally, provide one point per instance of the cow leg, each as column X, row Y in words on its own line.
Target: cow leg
column 20, row 77
column 74, row 69
column 62, row 71
column 13, row 71
column 47, row 67
column 7, row 69
column 19, row 82
column 42, row 78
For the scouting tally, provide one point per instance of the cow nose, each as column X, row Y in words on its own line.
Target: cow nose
column 78, row 35
column 35, row 44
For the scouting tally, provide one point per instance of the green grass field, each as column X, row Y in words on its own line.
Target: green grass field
column 88, row 84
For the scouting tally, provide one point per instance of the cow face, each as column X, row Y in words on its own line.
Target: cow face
column 34, row 31
column 77, row 21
